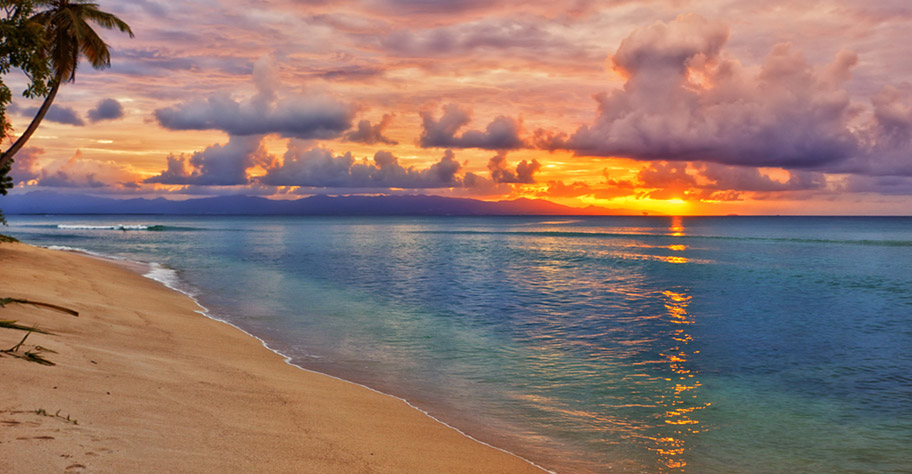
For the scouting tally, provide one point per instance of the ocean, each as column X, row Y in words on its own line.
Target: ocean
column 591, row 345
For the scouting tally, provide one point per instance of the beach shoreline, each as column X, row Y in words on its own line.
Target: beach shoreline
column 155, row 387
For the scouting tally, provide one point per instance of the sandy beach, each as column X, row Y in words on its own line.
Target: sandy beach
column 154, row 386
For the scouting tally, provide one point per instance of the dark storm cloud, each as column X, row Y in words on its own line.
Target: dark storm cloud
column 107, row 109
column 524, row 173
column 684, row 100
column 371, row 134
column 58, row 114
column 886, row 185
column 299, row 118
column 888, row 135
column 501, row 134
column 217, row 165
column 264, row 113
column 318, row 167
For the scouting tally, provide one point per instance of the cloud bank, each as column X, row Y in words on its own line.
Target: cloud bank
column 106, row 109
column 317, row 167
column 73, row 172
column 523, row 174
column 371, row 134
column 294, row 116
column 59, row 114
column 217, row 165
column 685, row 100
column 501, row 134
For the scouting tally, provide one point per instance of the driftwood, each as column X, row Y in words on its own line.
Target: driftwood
column 6, row 301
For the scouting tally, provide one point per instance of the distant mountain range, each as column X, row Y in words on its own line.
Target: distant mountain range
column 46, row 202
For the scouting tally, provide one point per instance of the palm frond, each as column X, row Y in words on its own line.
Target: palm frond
column 95, row 49
column 107, row 21
column 69, row 33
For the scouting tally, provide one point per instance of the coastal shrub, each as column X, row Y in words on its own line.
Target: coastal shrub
column 11, row 324
column 43, row 412
column 23, row 43
column 34, row 354
column 6, row 182
column 55, row 37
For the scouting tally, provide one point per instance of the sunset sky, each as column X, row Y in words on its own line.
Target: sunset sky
column 709, row 107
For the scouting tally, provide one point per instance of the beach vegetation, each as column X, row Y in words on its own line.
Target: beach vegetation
column 32, row 355
column 22, row 47
column 45, row 39
column 6, row 182
column 43, row 412
column 12, row 324
column 67, row 36
column 35, row 353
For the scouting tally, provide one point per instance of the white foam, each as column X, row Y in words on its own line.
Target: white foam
column 103, row 227
column 167, row 277
column 65, row 248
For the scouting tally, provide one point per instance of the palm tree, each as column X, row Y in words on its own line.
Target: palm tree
column 69, row 36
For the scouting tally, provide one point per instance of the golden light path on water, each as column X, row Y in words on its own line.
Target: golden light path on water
column 682, row 403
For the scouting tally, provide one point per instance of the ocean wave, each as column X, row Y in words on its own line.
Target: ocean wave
column 66, row 249
column 122, row 227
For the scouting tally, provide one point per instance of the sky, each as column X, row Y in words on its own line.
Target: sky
column 679, row 107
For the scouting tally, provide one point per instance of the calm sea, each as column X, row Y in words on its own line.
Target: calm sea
column 609, row 344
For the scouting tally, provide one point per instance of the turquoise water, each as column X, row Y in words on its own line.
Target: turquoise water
column 609, row 344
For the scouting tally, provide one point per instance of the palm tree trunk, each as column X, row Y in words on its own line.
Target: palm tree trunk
column 20, row 142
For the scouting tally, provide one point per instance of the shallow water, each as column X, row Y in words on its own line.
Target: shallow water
column 608, row 344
